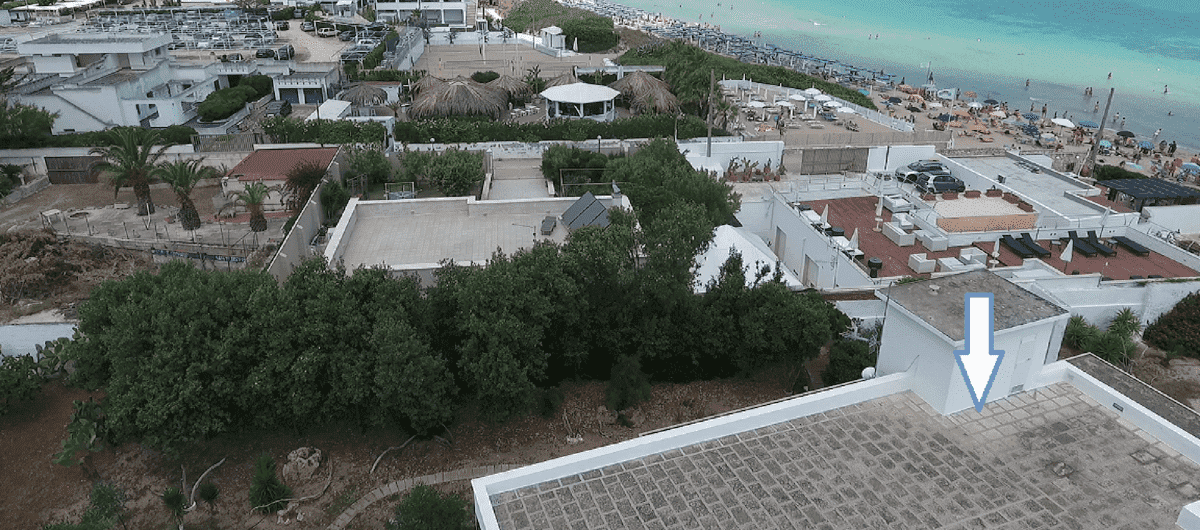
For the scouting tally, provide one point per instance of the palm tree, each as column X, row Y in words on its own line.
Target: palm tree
column 129, row 160
column 183, row 175
column 253, row 197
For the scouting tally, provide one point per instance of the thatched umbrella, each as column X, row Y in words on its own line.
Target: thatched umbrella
column 365, row 95
column 511, row 85
column 459, row 97
column 426, row 82
column 646, row 93
column 565, row 79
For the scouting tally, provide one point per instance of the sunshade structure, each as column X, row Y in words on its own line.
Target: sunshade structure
column 1088, row 124
column 459, row 97
column 364, row 95
column 580, row 100
column 565, row 79
column 646, row 93
column 1157, row 190
column 510, row 85
column 427, row 82
column 1126, row 134
column 1063, row 122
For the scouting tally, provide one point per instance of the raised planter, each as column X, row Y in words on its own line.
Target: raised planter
column 1025, row 206
column 971, row 194
column 950, row 195
column 929, row 197
column 1011, row 198
column 994, row 193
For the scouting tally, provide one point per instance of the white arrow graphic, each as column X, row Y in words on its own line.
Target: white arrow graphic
column 979, row 362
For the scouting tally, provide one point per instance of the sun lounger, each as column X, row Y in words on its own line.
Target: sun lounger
column 1016, row 246
column 1033, row 246
column 1131, row 245
column 1100, row 247
column 1080, row 245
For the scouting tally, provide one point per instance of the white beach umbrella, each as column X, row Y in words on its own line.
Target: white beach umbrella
column 854, row 240
column 784, row 104
column 1068, row 251
column 846, row 110
column 757, row 104
column 825, row 215
column 822, row 97
column 812, row 91
column 1064, row 122
column 999, row 114
column 832, row 104
column 797, row 97
column 975, row 105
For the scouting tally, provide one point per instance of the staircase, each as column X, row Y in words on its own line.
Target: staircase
column 472, row 13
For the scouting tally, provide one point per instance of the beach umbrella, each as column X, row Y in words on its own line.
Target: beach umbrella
column 970, row 94
column 975, row 105
column 1134, row 166
column 832, row 104
column 825, row 215
column 1088, row 124
column 893, row 100
column 812, row 91
column 564, row 79
column 1068, row 251
column 1126, row 134
column 999, row 114
column 797, row 97
column 1145, row 144
column 459, row 97
column 1105, row 143
column 756, row 104
column 962, row 113
column 427, row 82
column 864, row 91
column 846, row 110
column 822, row 97
column 1029, row 116
column 1063, row 122
column 854, row 240
column 990, row 102
column 785, row 104
column 363, row 95
column 647, row 93
column 1190, row 168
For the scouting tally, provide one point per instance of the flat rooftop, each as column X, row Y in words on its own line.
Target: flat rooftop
column 859, row 212
column 1040, row 187
column 1013, row 306
column 1050, row 458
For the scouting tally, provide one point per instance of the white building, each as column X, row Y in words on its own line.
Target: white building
column 461, row 15
column 97, row 81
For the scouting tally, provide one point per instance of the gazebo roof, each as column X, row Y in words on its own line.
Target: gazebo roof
column 579, row 93
column 553, row 30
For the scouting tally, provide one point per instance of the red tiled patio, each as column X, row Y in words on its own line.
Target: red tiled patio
column 859, row 212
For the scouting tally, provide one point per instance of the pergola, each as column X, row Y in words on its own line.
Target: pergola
column 1156, row 190
column 580, row 100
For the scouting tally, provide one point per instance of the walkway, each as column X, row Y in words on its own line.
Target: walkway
column 518, row 178
column 398, row 486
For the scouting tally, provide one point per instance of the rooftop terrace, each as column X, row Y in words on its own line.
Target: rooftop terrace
column 1050, row 458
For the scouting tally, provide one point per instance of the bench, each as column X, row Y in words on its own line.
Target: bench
column 1094, row 241
column 1080, row 245
column 898, row 236
column 1019, row 249
column 1033, row 246
column 919, row 264
column 972, row 255
column 932, row 243
column 1131, row 245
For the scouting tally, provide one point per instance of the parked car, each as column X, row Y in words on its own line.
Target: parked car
column 307, row 26
column 909, row 173
column 278, row 108
column 346, row 35
column 265, row 53
column 285, row 53
column 282, row 25
column 935, row 183
column 327, row 32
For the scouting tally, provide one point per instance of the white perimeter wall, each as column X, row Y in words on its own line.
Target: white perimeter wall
column 1185, row 218
column 888, row 159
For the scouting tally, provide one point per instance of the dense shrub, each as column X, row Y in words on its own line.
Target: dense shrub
column 10, row 178
column 334, row 197
column 1079, row 332
column 563, row 165
column 266, row 491
column 847, row 360
column 106, row 505
column 484, row 77
column 261, row 84
column 224, row 103
column 19, row 380
column 338, row 132
column 424, row 508
column 456, row 173
column 1178, row 330
column 286, row 13
column 595, row 33
column 1104, row 172
column 371, row 164
column 1114, row 345
column 375, row 56
column 178, row 134
column 627, row 385
column 466, row 130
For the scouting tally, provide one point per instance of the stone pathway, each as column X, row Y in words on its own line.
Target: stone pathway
column 398, row 486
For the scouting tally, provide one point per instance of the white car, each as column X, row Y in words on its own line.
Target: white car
column 326, row 32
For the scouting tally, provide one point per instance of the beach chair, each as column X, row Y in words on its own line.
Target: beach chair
column 1131, row 245
column 1033, row 246
column 1081, row 246
column 1016, row 246
column 1094, row 241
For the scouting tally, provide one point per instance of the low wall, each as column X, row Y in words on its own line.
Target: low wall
column 295, row 247
column 25, row 191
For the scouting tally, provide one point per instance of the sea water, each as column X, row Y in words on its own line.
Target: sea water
column 992, row 48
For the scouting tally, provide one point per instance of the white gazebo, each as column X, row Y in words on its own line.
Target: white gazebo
column 552, row 37
column 580, row 100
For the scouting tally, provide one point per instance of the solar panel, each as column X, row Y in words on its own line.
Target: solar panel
column 1150, row 188
column 587, row 211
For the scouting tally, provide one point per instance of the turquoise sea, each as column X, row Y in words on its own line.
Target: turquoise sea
column 992, row 48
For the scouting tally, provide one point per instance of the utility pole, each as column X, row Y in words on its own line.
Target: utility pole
column 1091, row 161
column 712, row 81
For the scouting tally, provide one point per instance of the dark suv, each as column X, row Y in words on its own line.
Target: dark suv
column 910, row 172
column 278, row 108
column 937, row 183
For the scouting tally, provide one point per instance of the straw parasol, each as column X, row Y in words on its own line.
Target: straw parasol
column 426, row 82
column 459, row 97
column 365, row 95
column 510, row 85
column 646, row 93
column 565, row 79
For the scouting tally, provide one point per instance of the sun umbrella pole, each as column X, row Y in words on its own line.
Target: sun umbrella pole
column 1091, row 161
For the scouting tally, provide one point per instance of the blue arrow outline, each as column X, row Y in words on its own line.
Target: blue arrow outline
column 991, row 341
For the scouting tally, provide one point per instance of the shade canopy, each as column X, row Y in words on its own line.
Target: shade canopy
column 511, row 85
column 1149, row 188
column 363, row 94
column 564, row 79
column 1063, row 122
column 646, row 93
column 459, row 97
column 579, row 93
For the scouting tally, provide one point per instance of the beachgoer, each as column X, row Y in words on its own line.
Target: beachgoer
column 1122, row 123
column 1156, row 133
column 1096, row 108
column 1164, row 89
column 1171, row 150
column 1110, row 76
column 1026, row 83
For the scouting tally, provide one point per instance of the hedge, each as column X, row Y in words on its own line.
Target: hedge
column 467, row 130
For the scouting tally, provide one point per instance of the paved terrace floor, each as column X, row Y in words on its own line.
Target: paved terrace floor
column 1051, row 458
column 1040, row 187
column 859, row 212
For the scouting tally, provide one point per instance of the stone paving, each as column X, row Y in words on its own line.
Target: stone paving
column 1050, row 458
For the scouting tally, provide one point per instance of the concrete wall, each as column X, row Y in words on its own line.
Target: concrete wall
column 295, row 247
column 723, row 152
column 1185, row 218
column 1099, row 302
column 804, row 246
column 889, row 158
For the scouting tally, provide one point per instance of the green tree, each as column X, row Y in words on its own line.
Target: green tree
column 457, row 172
column 847, row 360
column 302, row 180
column 25, row 125
column 424, row 508
column 627, row 385
column 253, row 198
column 19, row 380
column 334, row 197
column 370, row 164
column 129, row 160
column 84, row 434
column 182, row 176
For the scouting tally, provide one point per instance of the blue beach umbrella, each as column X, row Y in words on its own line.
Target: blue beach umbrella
column 1132, row 165
column 1146, row 145
column 1190, row 168
column 1088, row 124
column 1029, row 116
column 864, row 91
column 1105, row 143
